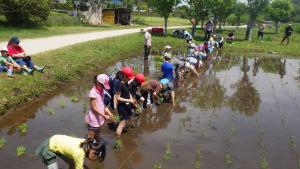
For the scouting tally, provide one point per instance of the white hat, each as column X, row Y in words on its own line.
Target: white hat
column 167, row 56
column 168, row 47
column 104, row 80
column 3, row 49
column 149, row 28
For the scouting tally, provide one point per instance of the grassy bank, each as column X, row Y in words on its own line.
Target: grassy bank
column 71, row 63
column 270, row 45
column 60, row 24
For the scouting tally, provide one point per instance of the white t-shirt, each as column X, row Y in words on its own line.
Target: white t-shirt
column 147, row 39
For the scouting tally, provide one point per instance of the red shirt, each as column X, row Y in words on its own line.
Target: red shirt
column 14, row 49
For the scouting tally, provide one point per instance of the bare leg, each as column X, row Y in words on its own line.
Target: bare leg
column 120, row 127
column 173, row 97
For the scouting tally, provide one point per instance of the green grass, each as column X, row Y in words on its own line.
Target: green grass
column 59, row 24
column 23, row 128
column 270, row 45
column 72, row 63
column 3, row 142
column 20, row 150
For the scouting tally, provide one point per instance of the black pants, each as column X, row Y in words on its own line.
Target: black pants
column 207, row 35
column 286, row 37
column 260, row 35
column 147, row 52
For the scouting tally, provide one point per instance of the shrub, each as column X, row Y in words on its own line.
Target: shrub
column 25, row 12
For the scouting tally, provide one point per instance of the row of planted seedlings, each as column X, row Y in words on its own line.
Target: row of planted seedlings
column 262, row 148
column 23, row 127
column 291, row 139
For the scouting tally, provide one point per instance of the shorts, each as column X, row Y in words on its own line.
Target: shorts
column 125, row 111
column 44, row 152
column 3, row 68
column 93, row 128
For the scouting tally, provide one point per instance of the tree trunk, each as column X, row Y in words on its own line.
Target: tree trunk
column 94, row 14
column 215, row 21
column 224, row 22
column 276, row 26
column 166, row 26
column 202, row 23
column 220, row 25
column 194, row 26
column 250, row 26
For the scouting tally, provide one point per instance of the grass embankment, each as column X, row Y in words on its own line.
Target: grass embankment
column 71, row 63
column 60, row 23
column 271, row 43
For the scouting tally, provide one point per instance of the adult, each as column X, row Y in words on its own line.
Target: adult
column 147, row 43
column 113, row 83
column 287, row 33
column 260, row 33
column 98, row 113
column 19, row 55
column 187, row 36
column 209, row 26
column 167, row 68
column 124, row 99
column 71, row 148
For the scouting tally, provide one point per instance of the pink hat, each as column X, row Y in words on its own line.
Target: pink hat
column 103, row 79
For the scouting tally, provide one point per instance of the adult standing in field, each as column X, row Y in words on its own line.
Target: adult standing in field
column 261, row 29
column 147, row 43
column 287, row 33
column 209, row 26
column 20, row 57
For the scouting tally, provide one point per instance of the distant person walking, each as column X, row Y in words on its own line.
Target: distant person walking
column 287, row 33
column 209, row 26
column 147, row 43
column 261, row 28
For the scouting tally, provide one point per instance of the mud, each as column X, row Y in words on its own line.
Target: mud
column 245, row 108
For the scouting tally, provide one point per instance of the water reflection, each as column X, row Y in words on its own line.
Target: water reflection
column 274, row 65
column 225, row 63
column 246, row 98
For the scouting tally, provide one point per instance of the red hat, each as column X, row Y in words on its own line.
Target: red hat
column 140, row 78
column 128, row 72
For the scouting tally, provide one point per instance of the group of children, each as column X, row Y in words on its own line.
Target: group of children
column 13, row 58
column 124, row 94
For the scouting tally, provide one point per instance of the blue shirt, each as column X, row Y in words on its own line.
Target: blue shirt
column 167, row 68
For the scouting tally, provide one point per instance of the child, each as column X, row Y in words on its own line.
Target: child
column 98, row 112
column 76, row 149
column 230, row 37
column 7, row 63
column 124, row 99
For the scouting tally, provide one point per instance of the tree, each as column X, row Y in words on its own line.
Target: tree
column 94, row 13
column 197, row 11
column 280, row 10
column 164, row 8
column 255, row 7
column 25, row 12
column 239, row 10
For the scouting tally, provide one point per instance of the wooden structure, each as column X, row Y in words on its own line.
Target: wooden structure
column 116, row 16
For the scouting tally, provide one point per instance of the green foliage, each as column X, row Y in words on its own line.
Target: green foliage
column 198, row 10
column 228, row 159
column 279, row 10
column 139, row 20
column 197, row 163
column 167, row 154
column 157, row 166
column 3, row 142
column 50, row 111
column 62, row 6
column 118, row 145
column 20, row 150
column 264, row 164
column 25, row 12
column 62, row 104
column 23, row 128
column 61, row 19
column 74, row 98
column 116, row 118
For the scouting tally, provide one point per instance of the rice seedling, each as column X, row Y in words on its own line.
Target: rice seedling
column 50, row 111
column 116, row 118
column 228, row 159
column 74, row 98
column 23, row 128
column 62, row 104
column 3, row 142
column 298, row 163
column 197, row 163
column 167, row 154
column 118, row 145
column 157, row 166
column 292, row 142
column 84, row 107
column 264, row 164
column 20, row 150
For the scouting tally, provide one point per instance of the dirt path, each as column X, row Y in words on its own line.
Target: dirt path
column 34, row 46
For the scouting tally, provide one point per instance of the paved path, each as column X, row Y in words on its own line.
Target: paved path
column 34, row 46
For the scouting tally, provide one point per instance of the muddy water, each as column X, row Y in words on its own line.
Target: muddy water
column 239, row 113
